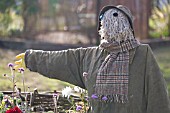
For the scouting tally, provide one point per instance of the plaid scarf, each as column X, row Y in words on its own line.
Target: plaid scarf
column 113, row 75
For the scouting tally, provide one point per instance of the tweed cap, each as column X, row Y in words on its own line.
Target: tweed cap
column 121, row 8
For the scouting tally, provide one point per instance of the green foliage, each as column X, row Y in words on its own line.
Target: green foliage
column 10, row 24
column 30, row 7
column 6, row 16
column 6, row 5
column 54, row 7
column 159, row 21
column 5, row 20
column 13, row 11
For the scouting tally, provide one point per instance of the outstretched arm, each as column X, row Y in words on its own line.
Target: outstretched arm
column 65, row 65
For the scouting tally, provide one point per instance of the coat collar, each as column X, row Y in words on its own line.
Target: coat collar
column 132, row 54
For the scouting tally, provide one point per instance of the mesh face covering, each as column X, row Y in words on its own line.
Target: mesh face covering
column 115, row 27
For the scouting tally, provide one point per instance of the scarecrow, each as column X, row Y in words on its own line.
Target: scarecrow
column 121, row 75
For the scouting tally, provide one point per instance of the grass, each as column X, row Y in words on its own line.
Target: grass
column 162, row 55
column 32, row 79
column 35, row 80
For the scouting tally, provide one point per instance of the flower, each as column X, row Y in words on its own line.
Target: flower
column 87, row 99
column 21, row 70
column 78, row 89
column 66, row 92
column 4, row 75
column 55, row 95
column 104, row 98
column 14, row 110
column 78, row 108
column 85, row 74
column 10, row 65
column 94, row 96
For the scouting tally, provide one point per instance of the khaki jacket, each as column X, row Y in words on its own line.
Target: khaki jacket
column 147, row 88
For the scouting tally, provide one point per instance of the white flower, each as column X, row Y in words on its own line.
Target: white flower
column 78, row 89
column 66, row 92
column 82, row 90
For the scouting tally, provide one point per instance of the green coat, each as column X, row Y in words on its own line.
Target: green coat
column 147, row 88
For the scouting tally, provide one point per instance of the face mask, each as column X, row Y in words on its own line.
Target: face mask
column 115, row 27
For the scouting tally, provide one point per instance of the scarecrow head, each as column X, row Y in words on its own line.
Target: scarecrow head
column 115, row 24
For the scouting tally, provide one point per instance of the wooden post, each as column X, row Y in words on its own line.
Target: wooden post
column 98, row 5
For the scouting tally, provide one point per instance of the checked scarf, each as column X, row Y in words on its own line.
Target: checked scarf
column 113, row 75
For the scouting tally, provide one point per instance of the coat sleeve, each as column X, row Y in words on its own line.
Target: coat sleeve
column 65, row 65
column 156, row 89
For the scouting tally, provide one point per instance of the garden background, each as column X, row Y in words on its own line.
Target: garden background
column 63, row 24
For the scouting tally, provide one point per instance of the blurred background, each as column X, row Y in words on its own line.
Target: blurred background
column 63, row 24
